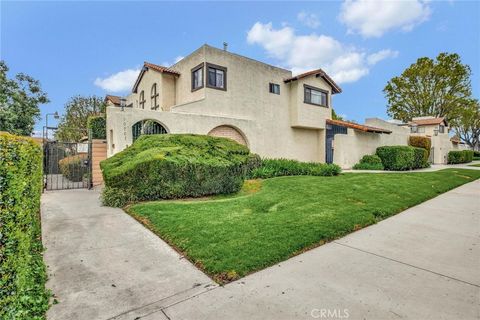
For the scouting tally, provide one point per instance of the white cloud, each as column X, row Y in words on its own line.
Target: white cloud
column 307, row 52
column 309, row 19
column 376, row 57
column 118, row 82
column 374, row 18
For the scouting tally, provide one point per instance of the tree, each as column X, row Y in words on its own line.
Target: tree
column 335, row 116
column 73, row 125
column 439, row 88
column 20, row 98
column 467, row 125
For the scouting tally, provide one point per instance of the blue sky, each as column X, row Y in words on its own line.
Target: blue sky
column 89, row 47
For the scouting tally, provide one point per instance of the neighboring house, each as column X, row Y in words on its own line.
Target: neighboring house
column 266, row 108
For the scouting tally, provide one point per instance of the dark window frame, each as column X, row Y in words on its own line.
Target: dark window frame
column 271, row 87
column 216, row 67
column 142, row 100
column 308, row 87
column 195, row 69
column 154, row 97
column 441, row 128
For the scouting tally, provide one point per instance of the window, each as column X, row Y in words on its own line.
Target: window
column 441, row 129
column 274, row 88
column 197, row 77
column 217, row 77
column 421, row 130
column 154, row 97
column 315, row 96
column 414, row 129
column 142, row 100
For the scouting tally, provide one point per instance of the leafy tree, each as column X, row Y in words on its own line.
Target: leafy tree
column 19, row 102
column 73, row 125
column 467, row 125
column 335, row 116
column 439, row 88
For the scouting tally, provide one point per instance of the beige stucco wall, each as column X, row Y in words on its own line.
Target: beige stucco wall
column 262, row 117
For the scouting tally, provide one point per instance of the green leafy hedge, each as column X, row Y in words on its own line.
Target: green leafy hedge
column 169, row 166
column 369, row 162
column 97, row 125
column 270, row 168
column 462, row 156
column 74, row 167
column 22, row 271
column 421, row 142
column 400, row 158
column 476, row 155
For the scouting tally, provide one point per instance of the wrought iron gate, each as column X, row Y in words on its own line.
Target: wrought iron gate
column 66, row 165
column 332, row 130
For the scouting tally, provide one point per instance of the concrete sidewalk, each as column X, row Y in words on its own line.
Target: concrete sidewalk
column 104, row 264
column 421, row 264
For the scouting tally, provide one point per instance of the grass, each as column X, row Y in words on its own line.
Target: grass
column 474, row 165
column 229, row 237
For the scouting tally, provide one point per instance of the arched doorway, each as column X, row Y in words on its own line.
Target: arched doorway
column 147, row 127
column 230, row 132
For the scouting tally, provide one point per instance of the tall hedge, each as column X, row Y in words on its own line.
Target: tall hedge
column 460, row 156
column 166, row 166
column 421, row 142
column 22, row 271
column 97, row 125
column 400, row 158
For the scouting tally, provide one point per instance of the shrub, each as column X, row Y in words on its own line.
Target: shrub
column 270, row 168
column 476, row 155
column 402, row 157
column 462, row 156
column 74, row 167
column 23, row 273
column 369, row 162
column 170, row 166
column 421, row 142
column 97, row 125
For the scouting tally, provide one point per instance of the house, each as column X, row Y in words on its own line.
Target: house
column 273, row 112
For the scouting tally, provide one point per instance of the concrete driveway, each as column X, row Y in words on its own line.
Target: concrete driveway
column 421, row 264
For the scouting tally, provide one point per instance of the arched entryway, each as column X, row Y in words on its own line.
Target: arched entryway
column 230, row 132
column 147, row 127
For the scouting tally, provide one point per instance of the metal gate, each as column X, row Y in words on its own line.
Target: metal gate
column 66, row 165
column 332, row 130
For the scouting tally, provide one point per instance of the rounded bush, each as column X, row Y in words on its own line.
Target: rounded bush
column 170, row 166
column 402, row 158
column 369, row 162
column 460, row 156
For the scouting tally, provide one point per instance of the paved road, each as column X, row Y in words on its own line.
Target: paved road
column 421, row 264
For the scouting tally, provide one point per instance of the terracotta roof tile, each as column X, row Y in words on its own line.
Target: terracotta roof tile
column 160, row 68
column 428, row 121
column 357, row 126
column 113, row 99
column 455, row 139
column 319, row 72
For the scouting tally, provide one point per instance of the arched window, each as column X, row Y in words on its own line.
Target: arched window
column 147, row 127
column 154, row 97
column 142, row 100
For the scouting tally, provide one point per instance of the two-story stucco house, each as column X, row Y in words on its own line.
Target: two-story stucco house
column 216, row 92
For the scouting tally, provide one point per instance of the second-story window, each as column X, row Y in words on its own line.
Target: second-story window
column 197, row 77
column 142, row 100
column 274, row 88
column 315, row 96
column 154, row 97
column 441, row 129
column 217, row 77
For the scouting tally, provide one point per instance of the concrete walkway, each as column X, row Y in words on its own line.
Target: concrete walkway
column 102, row 263
column 421, row 264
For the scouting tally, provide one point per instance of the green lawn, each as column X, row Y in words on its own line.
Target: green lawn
column 232, row 236
column 474, row 165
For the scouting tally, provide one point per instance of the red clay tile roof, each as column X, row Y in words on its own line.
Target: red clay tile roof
column 320, row 73
column 148, row 65
column 357, row 126
column 429, row 121
column 455, row 139
column 113, row 99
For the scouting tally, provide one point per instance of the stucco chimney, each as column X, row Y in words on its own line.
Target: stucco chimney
column 225, row 46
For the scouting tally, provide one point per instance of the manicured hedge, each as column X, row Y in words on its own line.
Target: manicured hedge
column 476, row 155
column 421, row 142
column 462, row 156
column 22, row 271
column 400, row 158
column 168, row 166
column 270, row 168
column 369, row 162
column 74, row 167
column 97, row 125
